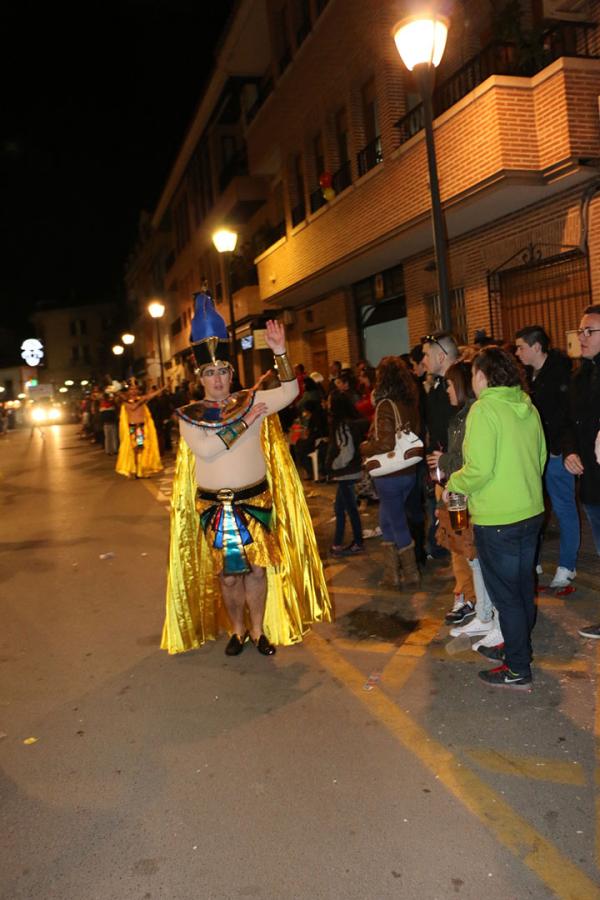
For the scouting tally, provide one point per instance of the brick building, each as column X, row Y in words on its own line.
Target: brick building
column 306, row 87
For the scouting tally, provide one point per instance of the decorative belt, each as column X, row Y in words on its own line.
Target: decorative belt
column 228, row 518
column 233, row 494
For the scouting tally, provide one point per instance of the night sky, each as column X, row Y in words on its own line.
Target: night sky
column 97, row 99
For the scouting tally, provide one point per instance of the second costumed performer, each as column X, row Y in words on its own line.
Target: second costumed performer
column 243, row 555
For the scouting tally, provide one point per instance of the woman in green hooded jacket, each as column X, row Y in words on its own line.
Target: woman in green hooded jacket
column 504, row 457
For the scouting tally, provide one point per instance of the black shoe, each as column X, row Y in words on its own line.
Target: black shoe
column 462, row 615
column 263, row 646
column 235, row 645
column 590, row 631
column 504, row 677
column 495, row 653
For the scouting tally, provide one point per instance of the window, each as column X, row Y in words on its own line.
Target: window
column 285, row 53
column 302, row 20
column 72, row 328
column 371, row 154
column 182, row 224
column 458, row 314
column 86, row 354
column 299, row 208
column 318, row 154
column 82, row 326
column 228, row 148
column 176, row 326
column 341, row 135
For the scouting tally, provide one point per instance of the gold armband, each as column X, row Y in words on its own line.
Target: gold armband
column 231, row 433
column 284, row 367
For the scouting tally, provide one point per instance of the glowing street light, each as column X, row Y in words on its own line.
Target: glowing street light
column 157, row 311
column 62, row 390
column 225, row 241
column 21, row 396
column 84, row 382
column 2, row 388
column 128, row 338
column 69, row 383
column 118, row 350
column 420, row 41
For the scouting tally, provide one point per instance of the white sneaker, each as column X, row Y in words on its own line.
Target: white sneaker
column 473, row 627
column 562, row 577
column 491, row 639
column 539, row 570
column 459, row 601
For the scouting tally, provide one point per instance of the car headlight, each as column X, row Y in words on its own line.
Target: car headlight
column 38, row 415
column 55, row 414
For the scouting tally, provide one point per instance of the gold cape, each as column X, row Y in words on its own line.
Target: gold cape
column 296, row 591
column 142, row 464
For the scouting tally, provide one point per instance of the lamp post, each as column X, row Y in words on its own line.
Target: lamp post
column 225, row 240
column 157, row 311
column 420, row 41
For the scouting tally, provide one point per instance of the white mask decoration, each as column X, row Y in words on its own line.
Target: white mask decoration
column 32, row 351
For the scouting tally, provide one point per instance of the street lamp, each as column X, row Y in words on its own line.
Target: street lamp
column 118, row 350
column 420, row 41
column 225, row 240
column 128, row 338
column 69, row 382
column 157, row 311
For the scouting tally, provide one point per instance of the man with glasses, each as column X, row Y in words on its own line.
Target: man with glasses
column 549, row 374
column 581, row 446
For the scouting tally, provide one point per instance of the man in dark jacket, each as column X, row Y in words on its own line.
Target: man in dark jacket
column 581, row 445
column 549, row 374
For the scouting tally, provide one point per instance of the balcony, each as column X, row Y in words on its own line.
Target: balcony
column 264, row 91
column 342, row 178
column 503, row 58
column 237, row 165
column 317, row 200
column 266, row 236
column 298, row 213
column 370, row 156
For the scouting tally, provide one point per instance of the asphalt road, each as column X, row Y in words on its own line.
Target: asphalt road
column 127, row 774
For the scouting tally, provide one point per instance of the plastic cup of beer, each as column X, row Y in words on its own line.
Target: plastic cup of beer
column 459, row 515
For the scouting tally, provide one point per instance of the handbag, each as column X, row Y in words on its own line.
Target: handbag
column 461, row 542
column 407, row 451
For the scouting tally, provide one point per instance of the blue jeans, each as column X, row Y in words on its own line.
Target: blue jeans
column 345, row 502
column 507, row 557
column 592, row 511
column 560, row 485
column 393, row 491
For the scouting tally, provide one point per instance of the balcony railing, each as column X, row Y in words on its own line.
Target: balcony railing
column 302, row 32
column 285, row 59
column 266, row 236
column 317, row 200
column 264, row 90
column 342, row 178
column 370, row 156
column 503, row 58
column 237, row 165
column 298, row 213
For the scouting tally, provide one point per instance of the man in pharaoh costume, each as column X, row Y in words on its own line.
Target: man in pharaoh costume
column 243, row 555
column 139, row 456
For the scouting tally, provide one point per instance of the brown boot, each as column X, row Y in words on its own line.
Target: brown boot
column 408, row 566
column 391, row 566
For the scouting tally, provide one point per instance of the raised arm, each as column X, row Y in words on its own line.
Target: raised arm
column 282, row 396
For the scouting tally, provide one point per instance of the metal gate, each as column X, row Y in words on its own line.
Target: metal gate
column 548, row 291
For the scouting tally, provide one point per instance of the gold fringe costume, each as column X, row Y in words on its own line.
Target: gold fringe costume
column 297, row 594
column 144, row 463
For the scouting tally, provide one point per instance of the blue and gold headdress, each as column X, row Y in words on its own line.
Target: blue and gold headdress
column 208, row 337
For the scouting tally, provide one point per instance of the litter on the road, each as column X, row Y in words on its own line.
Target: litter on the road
column 372, row 681
column 372, row 532
column 109, row 555
column 31, row 740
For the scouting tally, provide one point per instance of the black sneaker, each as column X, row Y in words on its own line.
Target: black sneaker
column 462, row 615
column 590, row 631
column 504, row 677
column 495, row 653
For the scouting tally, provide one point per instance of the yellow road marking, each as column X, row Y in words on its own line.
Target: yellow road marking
column 537, row 853
column 365, row 592
column 557, row 770
column 550, row 601
column 597, row 736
